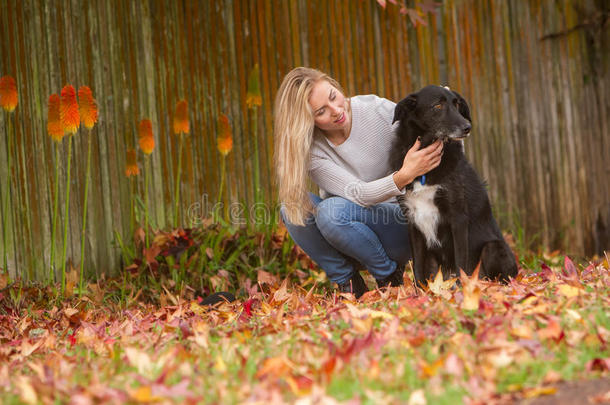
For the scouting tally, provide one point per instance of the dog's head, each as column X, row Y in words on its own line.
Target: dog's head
column 436, row 113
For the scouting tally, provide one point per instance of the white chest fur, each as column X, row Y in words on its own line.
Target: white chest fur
column 422, row 212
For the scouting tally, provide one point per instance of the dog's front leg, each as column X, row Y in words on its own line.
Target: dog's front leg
column 459, row 232
column 418, row 249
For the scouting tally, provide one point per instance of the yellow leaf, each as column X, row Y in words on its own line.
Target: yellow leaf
column 274, row 366
column 522, row 331
column 471, row 290
column 568, row 291
column 26, row 391
column 417, row 397
column 538, row 391
column 430, row 370
column 282, row 293
column 471, row 299
column 144, row 395
column 380, row 314
column 573, row 315
column 197, row 309
column 500, row 358
column 362, row 325
column 140, row 360
column 220, row 365
column 441, row 287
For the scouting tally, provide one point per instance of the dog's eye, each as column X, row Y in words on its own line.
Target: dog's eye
column 437, row 106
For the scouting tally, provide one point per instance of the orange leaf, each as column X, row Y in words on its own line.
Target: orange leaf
column 181, row 118
column 87, row 107
column 225, row 138
column 56, row 131
column 131, row 168
column 273, row 367
column 8, row 93
column 538, row 391
column 145, row 137
column 70, row 119
column 471, row 289
column 551, row 331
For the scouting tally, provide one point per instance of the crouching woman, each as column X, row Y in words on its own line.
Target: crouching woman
column 343, row 145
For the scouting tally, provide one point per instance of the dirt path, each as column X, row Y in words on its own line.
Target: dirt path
column 576, row 392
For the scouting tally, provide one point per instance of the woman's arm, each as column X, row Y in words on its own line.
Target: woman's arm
column 336, row 180
column 417, row 162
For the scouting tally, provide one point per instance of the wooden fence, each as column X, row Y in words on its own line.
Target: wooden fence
column 535, row 73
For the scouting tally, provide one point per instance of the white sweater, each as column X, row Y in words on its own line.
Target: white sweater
column 359, row 169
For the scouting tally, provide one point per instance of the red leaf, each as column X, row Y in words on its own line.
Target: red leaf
column 72, row 339
column 186, row 329
column 546, row 273
column 598, row 364
column 569, row 270
column 248, row 306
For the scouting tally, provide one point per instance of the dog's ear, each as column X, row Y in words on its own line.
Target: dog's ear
column 404, row 107
column 462, row 106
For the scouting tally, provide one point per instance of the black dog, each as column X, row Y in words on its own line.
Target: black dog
column 449, row 213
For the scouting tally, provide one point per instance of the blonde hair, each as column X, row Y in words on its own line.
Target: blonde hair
column 294, row 132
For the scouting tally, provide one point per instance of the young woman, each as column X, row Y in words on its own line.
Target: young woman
column 343, row 145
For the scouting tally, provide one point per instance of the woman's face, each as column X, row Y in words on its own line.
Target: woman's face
column 329, row 107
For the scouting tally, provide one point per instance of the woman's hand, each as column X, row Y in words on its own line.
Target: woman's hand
column 418, row 162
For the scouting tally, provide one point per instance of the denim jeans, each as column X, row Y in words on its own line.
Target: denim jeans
column 341, row 232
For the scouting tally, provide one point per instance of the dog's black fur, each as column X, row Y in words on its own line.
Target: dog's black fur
column 466, row 230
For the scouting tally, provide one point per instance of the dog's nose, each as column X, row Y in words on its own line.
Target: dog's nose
column 466, row 128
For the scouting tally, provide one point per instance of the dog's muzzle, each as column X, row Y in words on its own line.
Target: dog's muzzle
column 456, row 135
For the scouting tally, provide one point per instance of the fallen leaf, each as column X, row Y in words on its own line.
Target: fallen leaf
column 265, row 277
column 140, row 360
column 282, row 294
column 144, row 395
column 273, row 367
column 568, row 291
column 417, row 397
column 551, row 331
column 26, row 392
column 471, row 290
column 441, row 287
column 538, row 391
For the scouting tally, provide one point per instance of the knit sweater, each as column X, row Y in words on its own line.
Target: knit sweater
column 359, row 168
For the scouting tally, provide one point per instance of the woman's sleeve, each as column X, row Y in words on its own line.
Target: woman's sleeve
column 335, row 180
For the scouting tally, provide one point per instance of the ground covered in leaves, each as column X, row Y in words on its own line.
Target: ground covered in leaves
column 285, row 340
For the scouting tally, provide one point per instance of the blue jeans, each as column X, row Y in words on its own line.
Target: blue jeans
column 341, row 232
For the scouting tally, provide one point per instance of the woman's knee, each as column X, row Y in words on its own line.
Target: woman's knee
column 331, row 212
column 309, row 219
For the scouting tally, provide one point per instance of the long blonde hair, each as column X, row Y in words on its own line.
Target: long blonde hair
column 294, row 132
